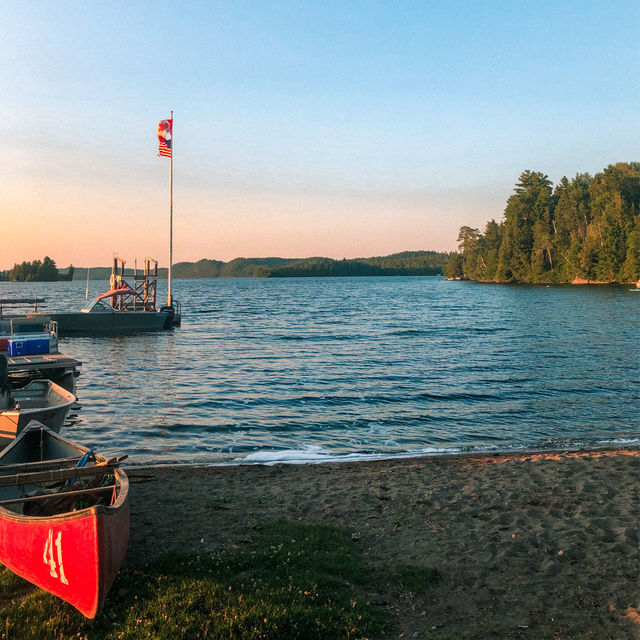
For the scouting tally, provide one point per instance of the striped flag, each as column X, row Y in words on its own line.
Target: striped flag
column 165, row 134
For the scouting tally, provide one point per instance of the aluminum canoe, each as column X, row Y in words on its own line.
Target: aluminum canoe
column 41, row 400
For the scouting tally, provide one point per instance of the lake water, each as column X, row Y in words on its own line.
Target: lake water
column 267, row 370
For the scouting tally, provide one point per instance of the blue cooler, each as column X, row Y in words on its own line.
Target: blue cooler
column 28, row 346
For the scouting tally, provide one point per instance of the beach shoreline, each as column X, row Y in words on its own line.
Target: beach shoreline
column 628, row 444
column 535, row 544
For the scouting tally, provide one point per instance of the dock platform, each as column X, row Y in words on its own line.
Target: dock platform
column 58, row 367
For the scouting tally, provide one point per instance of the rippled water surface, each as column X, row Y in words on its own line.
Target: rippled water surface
column 293, row 369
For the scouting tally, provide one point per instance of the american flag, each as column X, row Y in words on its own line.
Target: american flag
column 165, row 135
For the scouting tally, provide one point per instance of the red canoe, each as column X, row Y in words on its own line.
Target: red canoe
column 63, row 527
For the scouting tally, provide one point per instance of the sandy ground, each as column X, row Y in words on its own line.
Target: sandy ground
column 529, row 546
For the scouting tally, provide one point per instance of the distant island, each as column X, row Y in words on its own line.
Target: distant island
column 406, row 263
column 585, row 230
column 37, row 271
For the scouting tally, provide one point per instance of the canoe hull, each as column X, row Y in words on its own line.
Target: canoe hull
column 74, row 555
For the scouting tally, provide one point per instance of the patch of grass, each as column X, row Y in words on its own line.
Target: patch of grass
column 296, row 581
column 416, row 578
column 491, row 628
column 10, row 584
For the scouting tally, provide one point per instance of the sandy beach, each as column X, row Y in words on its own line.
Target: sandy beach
column 528, row 546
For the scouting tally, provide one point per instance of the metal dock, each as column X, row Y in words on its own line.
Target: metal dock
column 55, row 366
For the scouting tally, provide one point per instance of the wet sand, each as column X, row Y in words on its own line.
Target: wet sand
column 528, row 546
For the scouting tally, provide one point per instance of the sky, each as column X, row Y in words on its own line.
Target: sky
column 301, row 128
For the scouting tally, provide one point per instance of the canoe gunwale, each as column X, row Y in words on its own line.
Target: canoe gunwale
column 100, row 510
column 94, row 511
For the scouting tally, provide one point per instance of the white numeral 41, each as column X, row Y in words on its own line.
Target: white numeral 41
column 56, row 570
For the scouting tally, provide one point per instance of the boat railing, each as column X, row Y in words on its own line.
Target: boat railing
column 141, row 295
column 53, row 327
column 11, row 302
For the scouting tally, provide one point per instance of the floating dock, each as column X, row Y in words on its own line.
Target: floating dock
column 60, row 368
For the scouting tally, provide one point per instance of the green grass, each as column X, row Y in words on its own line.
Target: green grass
column 10, row 584
column 296, row 581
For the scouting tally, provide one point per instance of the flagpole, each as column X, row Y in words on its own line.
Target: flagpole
column 169, row 298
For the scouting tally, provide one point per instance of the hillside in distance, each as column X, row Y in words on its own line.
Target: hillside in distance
column 406, row 263
column 236, row 268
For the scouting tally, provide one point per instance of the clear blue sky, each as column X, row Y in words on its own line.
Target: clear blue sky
column 301, row 128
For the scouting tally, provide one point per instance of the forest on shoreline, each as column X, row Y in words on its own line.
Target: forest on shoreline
column 406, row 263
column 37, row 271
column 582, row 230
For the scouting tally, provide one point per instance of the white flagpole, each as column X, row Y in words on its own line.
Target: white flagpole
column 169, row 298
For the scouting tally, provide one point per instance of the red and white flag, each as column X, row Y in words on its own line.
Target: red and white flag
column 165, row 135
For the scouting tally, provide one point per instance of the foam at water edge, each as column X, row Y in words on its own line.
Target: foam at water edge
column 313, row 454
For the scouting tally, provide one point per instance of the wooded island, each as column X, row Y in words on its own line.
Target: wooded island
column 583, row 230
column 37, row 271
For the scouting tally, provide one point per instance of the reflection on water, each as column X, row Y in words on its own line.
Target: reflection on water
column 310, row 368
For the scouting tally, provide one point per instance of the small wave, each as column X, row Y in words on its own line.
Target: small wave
column 414, row 332
column 456, row 397
column 313, row 454
column 310, row 337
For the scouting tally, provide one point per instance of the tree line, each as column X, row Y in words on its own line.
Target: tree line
column 587, row 228
column 37, row 271
column 236, row 268
column 406, row 263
